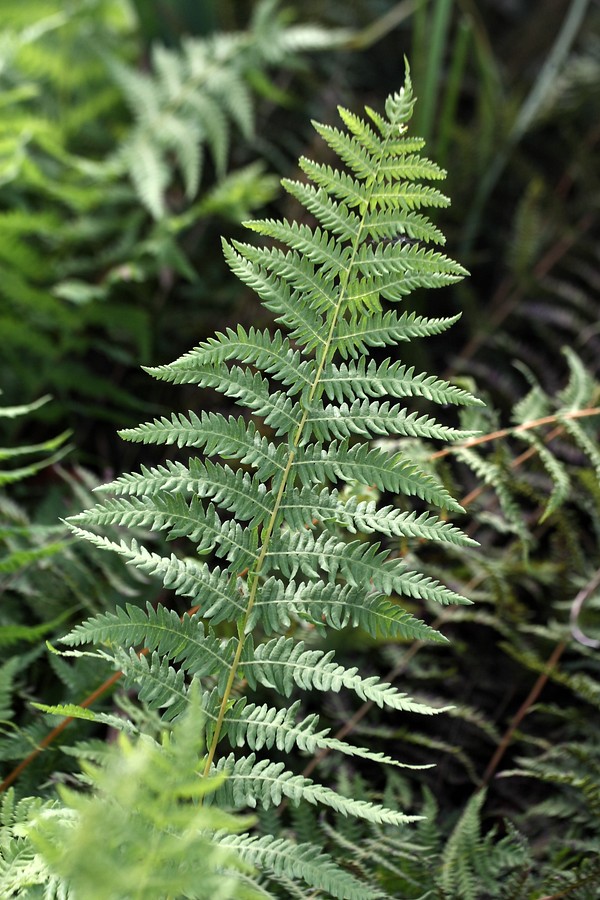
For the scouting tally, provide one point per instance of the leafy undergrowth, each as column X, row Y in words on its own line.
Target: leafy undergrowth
column 511, row 806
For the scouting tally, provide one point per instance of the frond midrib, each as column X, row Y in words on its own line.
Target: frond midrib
column 253, row 577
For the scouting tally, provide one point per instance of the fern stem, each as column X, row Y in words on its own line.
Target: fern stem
column 254, row 578
column 592, row 878
column 255, row 572
column 507, row 295
column 539, row 685
column 522, row 712
column 52, row 735
column 517, row 429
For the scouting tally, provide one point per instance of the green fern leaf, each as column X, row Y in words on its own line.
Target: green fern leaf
column 230, row 438
column 374, row 419
column 250, row 782
column 184, row 641
column 369, row 465
column 458, row 874
column 361, row 380
column 263, row 726
column 283, row 545
column 279, row 856
column 356, row 335
column 283, row 663
column 272, row 353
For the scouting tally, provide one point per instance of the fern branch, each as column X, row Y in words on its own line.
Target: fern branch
column 249, row 781
column 516, row 429
column 325, row 355
column 283, row 857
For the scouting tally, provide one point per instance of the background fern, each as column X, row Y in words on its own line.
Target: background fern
column 535, row 622
column 92, row 273
column 46, row 580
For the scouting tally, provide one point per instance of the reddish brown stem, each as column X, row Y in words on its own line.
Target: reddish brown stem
column 52, row 735
column 522, row 712
column 507, row 296
column 517, row 429
column 538, row 687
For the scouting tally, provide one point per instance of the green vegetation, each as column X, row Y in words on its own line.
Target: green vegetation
column 344, row 639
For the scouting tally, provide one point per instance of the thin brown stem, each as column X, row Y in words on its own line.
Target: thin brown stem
column 52, row 735
column 517, row 429
column 593, row 877
column 515, row 463
column 507, row 296
column 522, row 712
column 538, row 687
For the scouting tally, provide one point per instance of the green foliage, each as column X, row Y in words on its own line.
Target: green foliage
column 114, row 156
column 109, row 285
column 535, row 625
column 54, row 446
column 21, row 868
column 288, row 542
column 196, row 95
column 145, row 831
column 567, row 422
column 46, row 580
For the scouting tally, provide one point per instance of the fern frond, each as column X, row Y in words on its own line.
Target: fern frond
column 361, row 380
column 371, row 418
column 146, row 797
column 250, row 782
column 561, row 483
column 184, row 640
column 491, row 473
column 366, row 517
column 359, row 563
column 221, row 484
column 457, row 875
column 370, row 465
column 159, row 685
column 252, row 391
column 262, row 726
column 356, row 335
column 271, row 353
column 266, row 512
column 304, row 324
column 230, row 438
column 338, row 606
column 584, row 441
column 362, row 160
column 73, row 711
column 281, row 857
column 283, row 662
column 208, row 586
column 387, row 195
column 581, row 386
column 181, row 519
column 194, row 98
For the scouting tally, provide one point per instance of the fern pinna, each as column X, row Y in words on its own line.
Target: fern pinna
column 279, row 542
